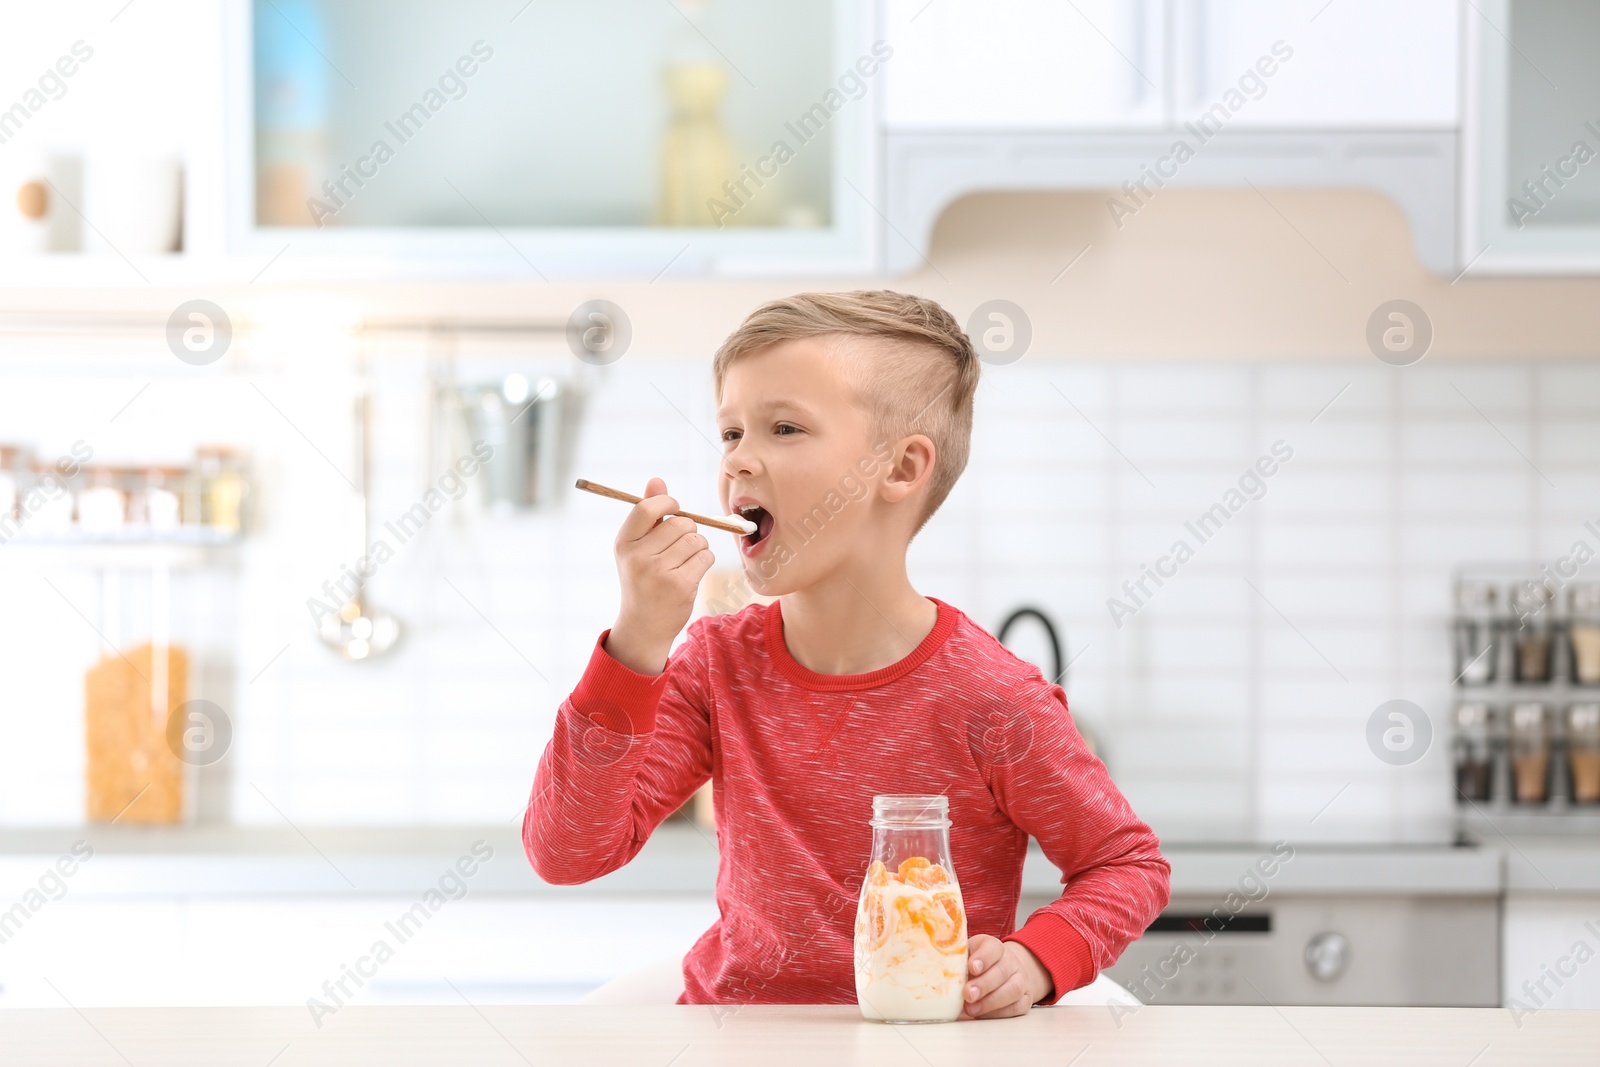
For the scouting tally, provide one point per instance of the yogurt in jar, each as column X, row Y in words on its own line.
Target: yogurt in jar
column 910, row 944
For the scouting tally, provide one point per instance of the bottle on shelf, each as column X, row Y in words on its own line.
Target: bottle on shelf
column 1531, row 603
column 1583, row 752
column 153, row 504
column 291, row 111
column 51, row 502
column 696, row 151
column 1476, row 624
column 1473, row 751
column 102, row 507
column 1529, row 740
column 1583, row 632
column 222, row 487
column 13, row 478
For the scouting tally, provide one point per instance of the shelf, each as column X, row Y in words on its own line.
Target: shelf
column 183, row 537
column 188, row 548
column 1494, row 823
column 1556, row 693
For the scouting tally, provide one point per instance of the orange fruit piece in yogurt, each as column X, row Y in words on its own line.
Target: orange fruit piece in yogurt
column 877, row 873
column 909, row 864
column 876, row 931
column 948, row 937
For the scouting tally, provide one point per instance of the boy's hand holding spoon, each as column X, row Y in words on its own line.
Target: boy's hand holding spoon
column 661, row 558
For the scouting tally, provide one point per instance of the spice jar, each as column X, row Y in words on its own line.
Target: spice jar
column 1530, row 754
column 1583, row 632
column 911, row 927
column 13, row 466
column 48, row 503
column 101, row 506
column 154, row 504
column 1531, row 638
column 1583, row 752
column 1477, row 604
column 222, row 488
column 1474, row 757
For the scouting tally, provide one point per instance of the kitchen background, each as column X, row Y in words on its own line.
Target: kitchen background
column 1231, row 707
column 1177, row 335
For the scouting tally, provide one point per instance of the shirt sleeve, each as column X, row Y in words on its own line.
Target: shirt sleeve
column 1114, row 878
column 628, row 750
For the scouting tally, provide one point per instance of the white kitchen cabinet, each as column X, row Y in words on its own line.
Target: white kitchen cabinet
column 621, row 137
column 1141, row 64
column 1551, row 951
column 200, row 951
column 1531, row 138
column 1344, row 64
column 1030, row 94
column 1092, row 64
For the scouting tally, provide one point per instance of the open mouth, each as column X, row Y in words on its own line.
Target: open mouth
column 763, row 520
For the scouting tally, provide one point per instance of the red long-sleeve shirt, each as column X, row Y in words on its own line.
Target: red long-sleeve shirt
column 795, row 757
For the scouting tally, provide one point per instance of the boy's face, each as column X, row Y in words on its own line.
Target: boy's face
column 798, row 446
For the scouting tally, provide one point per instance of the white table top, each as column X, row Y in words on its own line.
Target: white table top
column 775, row 1035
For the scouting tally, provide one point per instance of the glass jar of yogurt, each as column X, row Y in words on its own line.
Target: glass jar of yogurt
column 911, row 927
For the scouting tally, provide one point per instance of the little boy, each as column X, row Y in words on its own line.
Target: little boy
column 844, row 419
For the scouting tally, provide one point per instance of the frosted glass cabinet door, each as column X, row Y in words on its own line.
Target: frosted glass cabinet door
column 1009, row 64
column 1531, row 140
column 602, row 134
column 1349, row 64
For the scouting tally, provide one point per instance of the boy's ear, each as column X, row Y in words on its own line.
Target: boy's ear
column 911, row 467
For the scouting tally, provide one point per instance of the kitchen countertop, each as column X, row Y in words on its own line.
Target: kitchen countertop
column 682, row 858
column 132, row 861
column 1551, row 864
column 1214, row 870
column 774, row 1035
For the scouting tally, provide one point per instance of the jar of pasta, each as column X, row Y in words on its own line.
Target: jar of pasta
column 911, row 927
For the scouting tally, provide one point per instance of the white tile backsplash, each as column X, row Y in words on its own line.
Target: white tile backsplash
column 1467, row 438
column 1221, row 717
column 1453, row 389
column 1186, row 389
column 1568, row 387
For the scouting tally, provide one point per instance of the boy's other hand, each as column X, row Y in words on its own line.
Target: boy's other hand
column 660, row 560
column 1004, row 979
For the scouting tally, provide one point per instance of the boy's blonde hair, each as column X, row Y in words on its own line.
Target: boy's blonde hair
column 919, row 376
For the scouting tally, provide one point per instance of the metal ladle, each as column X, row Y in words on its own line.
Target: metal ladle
column 360, row 631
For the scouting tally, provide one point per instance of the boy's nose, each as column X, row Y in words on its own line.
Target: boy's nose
column 740, row 459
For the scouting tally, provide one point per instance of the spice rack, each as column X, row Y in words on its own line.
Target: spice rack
column 143, row 532
column 76, row 501
column 1525, row 718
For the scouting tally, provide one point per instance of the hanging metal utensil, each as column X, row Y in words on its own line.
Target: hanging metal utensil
column 361, row 631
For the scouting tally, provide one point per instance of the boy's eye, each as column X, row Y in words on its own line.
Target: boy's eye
column 784, row 427
column 730, row 435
